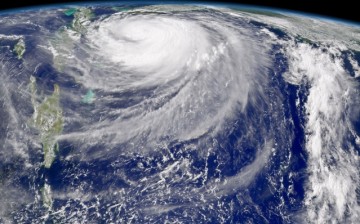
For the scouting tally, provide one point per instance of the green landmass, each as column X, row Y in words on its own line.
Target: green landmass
column 81, row 16
column 46, row 196
column 304, row 40
column 48, row 119
column 19, row 48
column 260, row 12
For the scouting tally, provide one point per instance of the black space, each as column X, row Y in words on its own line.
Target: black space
column 344, row 9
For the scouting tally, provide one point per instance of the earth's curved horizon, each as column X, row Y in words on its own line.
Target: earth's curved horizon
column 178, row 113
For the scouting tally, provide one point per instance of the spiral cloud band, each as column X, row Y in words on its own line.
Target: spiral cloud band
column 175, row 59
column 179, row 114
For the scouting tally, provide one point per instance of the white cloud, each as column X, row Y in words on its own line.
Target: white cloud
column 333, row 182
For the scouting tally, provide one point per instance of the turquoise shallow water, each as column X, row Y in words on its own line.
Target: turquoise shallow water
column 186, row 113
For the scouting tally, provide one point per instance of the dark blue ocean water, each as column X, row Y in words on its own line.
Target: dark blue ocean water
column 274, row 196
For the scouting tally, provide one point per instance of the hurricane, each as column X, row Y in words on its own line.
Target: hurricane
column 162, row 63
column 178, row 114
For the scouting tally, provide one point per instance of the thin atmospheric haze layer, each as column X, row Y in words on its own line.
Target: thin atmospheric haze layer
column 178, row 114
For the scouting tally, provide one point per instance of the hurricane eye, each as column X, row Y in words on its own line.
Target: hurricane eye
column 149, row 112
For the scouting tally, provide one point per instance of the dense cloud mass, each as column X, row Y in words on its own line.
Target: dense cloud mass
column 180, row 114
